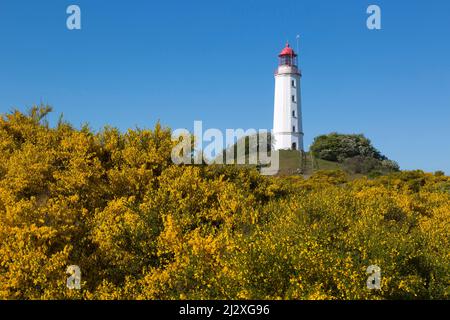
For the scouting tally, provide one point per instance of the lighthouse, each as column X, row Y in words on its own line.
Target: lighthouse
column 287, row 117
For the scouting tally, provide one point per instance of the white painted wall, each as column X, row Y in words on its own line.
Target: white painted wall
column 283, row 119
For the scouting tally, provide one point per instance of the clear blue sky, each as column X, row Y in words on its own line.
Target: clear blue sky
column 135, row 62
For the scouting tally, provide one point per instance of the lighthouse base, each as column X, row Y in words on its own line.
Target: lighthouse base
column 288, row 141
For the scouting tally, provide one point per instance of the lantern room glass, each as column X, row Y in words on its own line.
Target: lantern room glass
column 288, row 60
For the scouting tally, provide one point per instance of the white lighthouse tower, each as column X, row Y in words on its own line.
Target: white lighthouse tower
column 287, row 117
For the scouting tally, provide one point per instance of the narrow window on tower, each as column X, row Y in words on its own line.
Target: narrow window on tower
column 293, row 83
column 294, row 99
column 293, row 128
column 293, row 113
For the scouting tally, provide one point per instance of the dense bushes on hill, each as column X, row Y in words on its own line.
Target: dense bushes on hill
column 355, row 152
column 140, row 227
column 338, row 147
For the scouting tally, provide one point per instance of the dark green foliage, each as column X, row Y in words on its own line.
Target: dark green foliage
column 338, row 147
column 354, row 151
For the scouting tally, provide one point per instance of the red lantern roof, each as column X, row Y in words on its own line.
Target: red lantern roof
column 287, row 51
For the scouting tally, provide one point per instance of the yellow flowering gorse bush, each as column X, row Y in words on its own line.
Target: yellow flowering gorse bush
column 140, row 227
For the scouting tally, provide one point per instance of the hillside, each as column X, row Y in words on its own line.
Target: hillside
column 296, row 162
column 351, row 153
column 305, row 164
